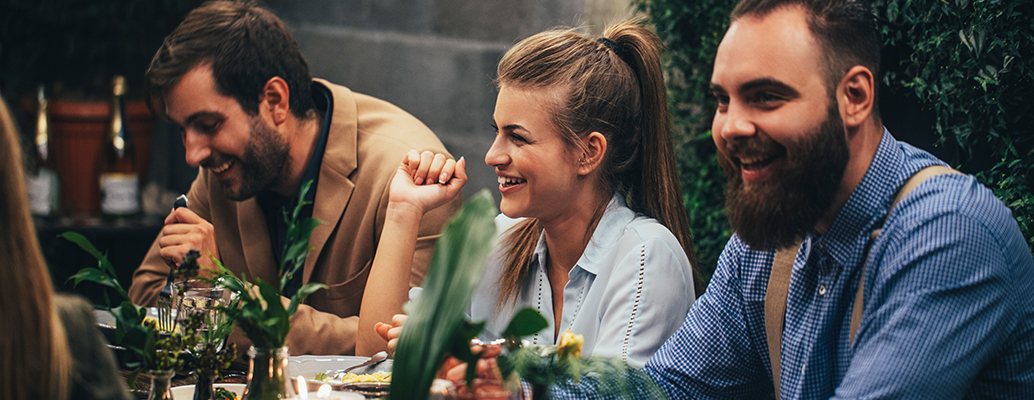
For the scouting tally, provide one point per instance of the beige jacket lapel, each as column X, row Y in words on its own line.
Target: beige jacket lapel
column 339, row 161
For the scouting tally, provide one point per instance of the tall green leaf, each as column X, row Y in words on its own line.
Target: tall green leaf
column 439, row 313
column 102, row 274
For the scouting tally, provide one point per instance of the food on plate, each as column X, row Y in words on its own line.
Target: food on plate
column 223, row 394
column 353, row 378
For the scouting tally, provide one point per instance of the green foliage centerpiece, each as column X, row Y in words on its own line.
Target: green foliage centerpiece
column 146, row 348
column 263, row 316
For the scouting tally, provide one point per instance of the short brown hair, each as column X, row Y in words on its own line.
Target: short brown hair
column 245, row 44
column 847, row 30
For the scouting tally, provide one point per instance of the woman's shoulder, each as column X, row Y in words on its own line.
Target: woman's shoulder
column 73, row 310
column 648, row 233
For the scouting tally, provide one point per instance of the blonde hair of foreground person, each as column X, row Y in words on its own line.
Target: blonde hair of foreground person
column 620, row 94
column 35, row 362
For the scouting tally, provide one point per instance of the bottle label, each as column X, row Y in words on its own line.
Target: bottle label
column 43, row 192
column 119, row 194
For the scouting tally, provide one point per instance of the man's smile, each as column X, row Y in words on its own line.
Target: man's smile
column 218, row 169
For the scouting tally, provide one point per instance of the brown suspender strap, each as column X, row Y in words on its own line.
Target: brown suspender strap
column 775, row 306
column 782, row 268
column 913, row 182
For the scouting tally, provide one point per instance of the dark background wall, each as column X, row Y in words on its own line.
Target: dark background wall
column 434, row 58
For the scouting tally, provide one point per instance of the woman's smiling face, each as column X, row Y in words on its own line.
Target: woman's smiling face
column 537, row 169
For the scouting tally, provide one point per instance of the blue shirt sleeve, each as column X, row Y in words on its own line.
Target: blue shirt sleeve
column 712, row 356
column 939, row 309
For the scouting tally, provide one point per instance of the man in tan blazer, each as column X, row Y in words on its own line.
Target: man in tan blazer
column 259, row 127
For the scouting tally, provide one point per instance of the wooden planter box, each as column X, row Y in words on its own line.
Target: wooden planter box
column 78, row 130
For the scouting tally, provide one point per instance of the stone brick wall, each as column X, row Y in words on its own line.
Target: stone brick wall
column 434, row 58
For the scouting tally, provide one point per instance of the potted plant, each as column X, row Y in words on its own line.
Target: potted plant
column 263, row 316
column 148, row 350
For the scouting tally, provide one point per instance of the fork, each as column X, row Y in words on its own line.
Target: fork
column 166, row 298
column 376, row 359
column 166, row 322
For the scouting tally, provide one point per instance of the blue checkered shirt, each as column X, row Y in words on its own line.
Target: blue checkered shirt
column 949, row 302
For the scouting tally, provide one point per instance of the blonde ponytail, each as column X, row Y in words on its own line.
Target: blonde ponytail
column 615, row 86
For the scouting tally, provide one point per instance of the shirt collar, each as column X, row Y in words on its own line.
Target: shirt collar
column 324, row 102
column 848, row 235
column 608, row 231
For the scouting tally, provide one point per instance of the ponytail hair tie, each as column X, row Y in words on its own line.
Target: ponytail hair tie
column 616, row 48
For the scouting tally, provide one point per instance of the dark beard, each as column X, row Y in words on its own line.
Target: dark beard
column 266, row 158
column 779, row 212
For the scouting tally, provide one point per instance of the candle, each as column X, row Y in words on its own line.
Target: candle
column 303, row 390
column 324, row 392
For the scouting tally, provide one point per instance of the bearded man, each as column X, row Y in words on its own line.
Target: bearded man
column 232, row 77
column 937, row 304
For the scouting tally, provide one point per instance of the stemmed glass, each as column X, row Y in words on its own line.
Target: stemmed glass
column 199, row 298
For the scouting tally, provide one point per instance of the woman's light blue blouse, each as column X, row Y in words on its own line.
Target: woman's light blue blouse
column 630, row 290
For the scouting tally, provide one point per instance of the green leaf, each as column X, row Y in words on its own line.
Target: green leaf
column 302, row 293
column 459, row 346
column 103, row 274
column 83, row 243
column 296, row 248
column 132, row 377
column 439, row 312
column 93, row 275
column 526, row 322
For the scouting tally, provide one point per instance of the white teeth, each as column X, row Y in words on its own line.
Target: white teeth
column 751, row 160
column 509, row 181
column 223, row 167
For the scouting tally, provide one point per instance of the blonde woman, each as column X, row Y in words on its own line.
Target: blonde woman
column 594, row 233
column 50, row 347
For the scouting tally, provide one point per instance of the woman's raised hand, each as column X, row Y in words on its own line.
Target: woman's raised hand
column 427, row 180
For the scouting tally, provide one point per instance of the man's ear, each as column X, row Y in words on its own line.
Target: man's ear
column 856, row 94
column 595, row 147
column 276, row 96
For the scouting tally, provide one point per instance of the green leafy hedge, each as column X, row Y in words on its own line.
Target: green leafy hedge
column 969, row 63
column 972, row 63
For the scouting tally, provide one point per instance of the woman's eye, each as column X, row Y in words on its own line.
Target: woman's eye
column 518, row 138
column 721, row 99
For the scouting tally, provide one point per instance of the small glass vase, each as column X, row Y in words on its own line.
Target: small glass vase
column 161, row 385
column 268, row 376
column 204, row 386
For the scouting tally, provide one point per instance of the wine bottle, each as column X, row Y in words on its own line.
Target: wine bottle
column 42, row 181
column 119, row 179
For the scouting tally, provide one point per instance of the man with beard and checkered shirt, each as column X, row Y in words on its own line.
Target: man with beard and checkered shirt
column 945, row 309
column 851, row 283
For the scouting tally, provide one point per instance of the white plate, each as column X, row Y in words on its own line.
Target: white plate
column 308, row 366
column 187, row 391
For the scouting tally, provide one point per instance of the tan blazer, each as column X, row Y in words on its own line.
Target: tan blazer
column 367, row 140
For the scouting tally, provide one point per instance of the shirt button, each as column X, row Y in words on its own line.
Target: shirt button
column 822, row 290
